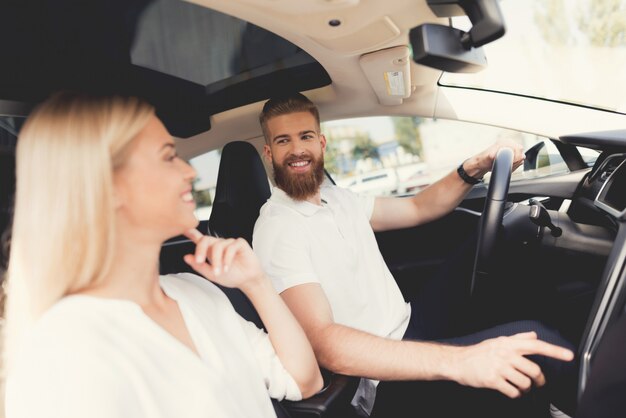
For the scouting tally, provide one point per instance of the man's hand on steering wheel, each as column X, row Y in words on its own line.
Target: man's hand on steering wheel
column 480, row 164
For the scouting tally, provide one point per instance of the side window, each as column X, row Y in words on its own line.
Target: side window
column 542, row 159
column 589, row 155
column 402, row 155
column 206, row 166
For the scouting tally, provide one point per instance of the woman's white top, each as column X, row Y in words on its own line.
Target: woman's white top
column 95, row 357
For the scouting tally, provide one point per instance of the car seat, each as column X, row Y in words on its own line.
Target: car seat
column 242, row 188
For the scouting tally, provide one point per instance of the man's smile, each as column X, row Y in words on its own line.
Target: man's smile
column 299, row 166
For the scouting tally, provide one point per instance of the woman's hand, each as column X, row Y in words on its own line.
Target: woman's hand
column 231, row 262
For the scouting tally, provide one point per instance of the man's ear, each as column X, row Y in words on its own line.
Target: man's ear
column 323, row 141
column 267, row 153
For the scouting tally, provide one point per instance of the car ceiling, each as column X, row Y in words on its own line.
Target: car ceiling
column 369, row 26
column 41, row 58
column 40, row 61
column 366, row 26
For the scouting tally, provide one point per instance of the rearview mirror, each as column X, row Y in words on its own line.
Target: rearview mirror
column 439, row 47
column 453, row 50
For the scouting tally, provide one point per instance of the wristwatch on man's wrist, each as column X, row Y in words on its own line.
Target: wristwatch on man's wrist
column 466, row 177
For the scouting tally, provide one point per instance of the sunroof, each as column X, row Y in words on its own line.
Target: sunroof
column 207, row 47
column 191, row 62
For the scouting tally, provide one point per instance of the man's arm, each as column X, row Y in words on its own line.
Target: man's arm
column 497, row 363
column 440, row 197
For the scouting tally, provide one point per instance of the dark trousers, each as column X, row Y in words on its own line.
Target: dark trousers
column 444, row 312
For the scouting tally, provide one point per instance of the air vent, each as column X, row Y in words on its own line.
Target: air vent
column 608, row 166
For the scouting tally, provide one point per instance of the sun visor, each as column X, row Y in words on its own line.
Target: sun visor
column 389, row 74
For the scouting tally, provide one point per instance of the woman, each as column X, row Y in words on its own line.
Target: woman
column 91, row 328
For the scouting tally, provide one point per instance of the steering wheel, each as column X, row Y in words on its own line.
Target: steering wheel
column 493, row 213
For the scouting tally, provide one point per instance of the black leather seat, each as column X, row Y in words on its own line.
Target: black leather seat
column 242, row 188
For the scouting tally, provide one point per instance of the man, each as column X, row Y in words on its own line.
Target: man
column 317, row 244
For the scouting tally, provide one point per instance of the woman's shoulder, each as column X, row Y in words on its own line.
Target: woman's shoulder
column 63, row 352
column 74, row 313
column 189, row 282
column 189, row 285
column 75, row 322
column 67, row 340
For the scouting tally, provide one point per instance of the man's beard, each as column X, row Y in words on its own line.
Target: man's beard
column 299, row 186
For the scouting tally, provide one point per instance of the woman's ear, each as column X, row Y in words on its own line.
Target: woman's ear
column 117, row 200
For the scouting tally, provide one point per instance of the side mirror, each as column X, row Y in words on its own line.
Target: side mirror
column 536, row 157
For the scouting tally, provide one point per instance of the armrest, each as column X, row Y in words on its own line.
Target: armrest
column 332, row 401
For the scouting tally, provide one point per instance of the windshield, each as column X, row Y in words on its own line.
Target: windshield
column 565, row 50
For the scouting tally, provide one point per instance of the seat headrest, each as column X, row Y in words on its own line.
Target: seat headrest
column 241, row 178
column 242, row 188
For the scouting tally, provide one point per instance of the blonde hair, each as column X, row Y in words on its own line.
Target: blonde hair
column 64, row 220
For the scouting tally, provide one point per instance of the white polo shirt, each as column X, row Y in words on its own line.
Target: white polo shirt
column 334, row 245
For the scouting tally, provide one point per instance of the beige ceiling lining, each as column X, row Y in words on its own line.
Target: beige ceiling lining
column 300, row 7
column 376, row 34
column 350, row 93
